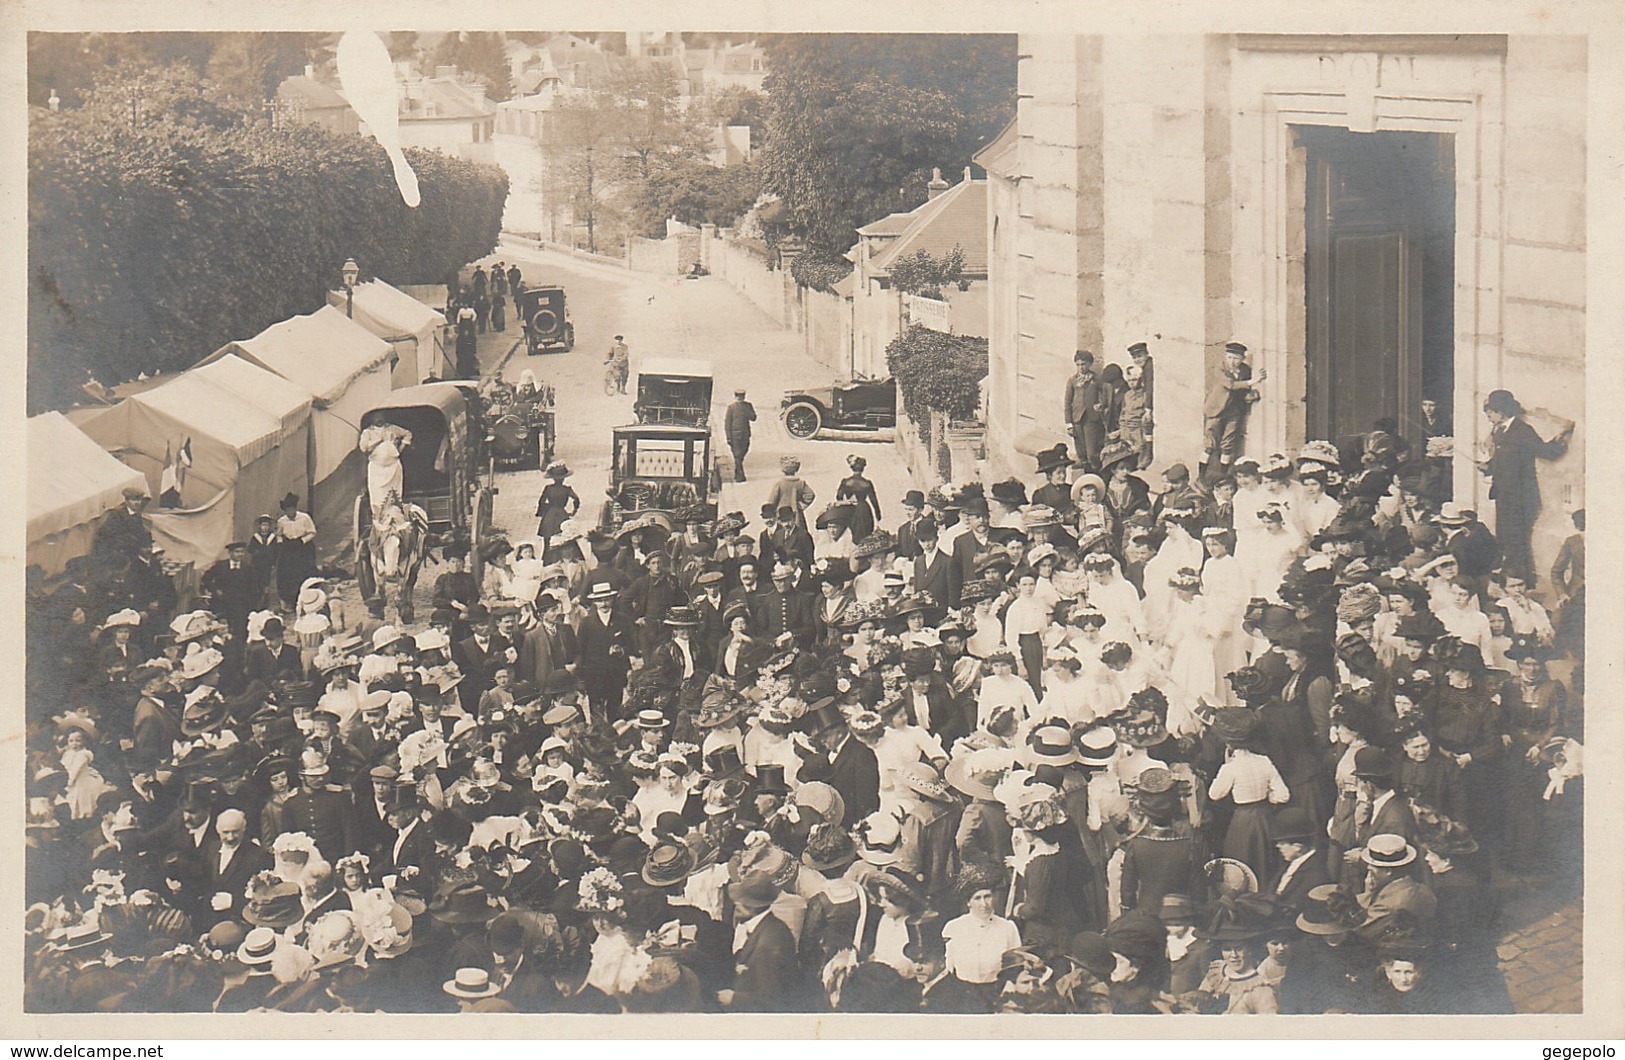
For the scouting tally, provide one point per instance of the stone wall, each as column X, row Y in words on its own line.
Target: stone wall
column 1543, row 278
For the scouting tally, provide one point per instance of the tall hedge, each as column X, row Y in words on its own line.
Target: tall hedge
column 935, row 370
column 163, row 225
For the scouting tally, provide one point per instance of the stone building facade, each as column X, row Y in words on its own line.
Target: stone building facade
column 1379, row 219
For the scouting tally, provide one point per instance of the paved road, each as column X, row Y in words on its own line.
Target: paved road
column 702, row 318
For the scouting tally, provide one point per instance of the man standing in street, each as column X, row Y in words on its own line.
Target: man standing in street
column 620, row 359
column 741, row 414
column 1085, row 412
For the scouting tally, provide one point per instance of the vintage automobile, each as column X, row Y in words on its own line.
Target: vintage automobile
column 547, row 322
column 520, row 424
column 858, row 405
column 660, row 470
column 674, row 390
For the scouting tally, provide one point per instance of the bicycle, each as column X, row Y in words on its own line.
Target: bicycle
column 615, row 380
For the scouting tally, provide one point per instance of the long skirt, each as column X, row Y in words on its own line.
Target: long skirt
column 1248, row 838
column 296, row 562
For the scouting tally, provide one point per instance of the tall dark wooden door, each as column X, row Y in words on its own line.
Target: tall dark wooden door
column 1375, row 228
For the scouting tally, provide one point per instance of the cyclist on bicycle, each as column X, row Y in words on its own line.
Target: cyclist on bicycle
column 620, row 362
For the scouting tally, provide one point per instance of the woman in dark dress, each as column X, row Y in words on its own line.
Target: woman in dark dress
column 860, row 490
column 1471, row 730
column 296, row 550
column 1533, row 706
column 557, row 503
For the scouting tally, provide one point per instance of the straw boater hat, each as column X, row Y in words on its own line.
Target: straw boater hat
column 471, row 983
column 1388, row 851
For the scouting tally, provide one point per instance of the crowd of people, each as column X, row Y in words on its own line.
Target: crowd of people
column 1265, row 739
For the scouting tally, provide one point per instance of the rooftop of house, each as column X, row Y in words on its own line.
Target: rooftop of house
column 955, row 217
column 311, row 92
column 442, row 98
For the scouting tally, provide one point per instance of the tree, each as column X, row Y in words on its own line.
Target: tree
column 936, row 371
column 735, row 105
column 579, row 161
column 697, row 193
column 856, row 123
column 920, row 273
column 247, row 67
column 480, row 54
column 614, row 149
column 162, row 225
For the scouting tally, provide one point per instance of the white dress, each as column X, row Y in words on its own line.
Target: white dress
column 1179, row 550
column 1271, row 553
column 1191, row 671
column 1225, row 589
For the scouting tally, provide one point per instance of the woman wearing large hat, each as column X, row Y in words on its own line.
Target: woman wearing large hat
column 1234, row 926
column 1470, row 725
column 1162, row 857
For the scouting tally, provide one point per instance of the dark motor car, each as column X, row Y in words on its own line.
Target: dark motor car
column 546, row 320
column 858, row 405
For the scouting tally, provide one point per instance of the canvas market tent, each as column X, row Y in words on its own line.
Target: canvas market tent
column 250, row 444
column 410, row 326
column 72, row 484
column 348, row 370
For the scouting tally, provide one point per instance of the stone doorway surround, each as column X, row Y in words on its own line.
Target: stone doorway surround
column 1435, row 84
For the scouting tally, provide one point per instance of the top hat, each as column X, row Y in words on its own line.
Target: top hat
column 1292, row 823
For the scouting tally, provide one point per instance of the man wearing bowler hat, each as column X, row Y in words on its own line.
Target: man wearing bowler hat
column 1085, row 411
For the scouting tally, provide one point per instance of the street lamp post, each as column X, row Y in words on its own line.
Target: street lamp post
column 351, row 271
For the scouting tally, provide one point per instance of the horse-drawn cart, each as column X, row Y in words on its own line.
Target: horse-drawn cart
column 424, row 447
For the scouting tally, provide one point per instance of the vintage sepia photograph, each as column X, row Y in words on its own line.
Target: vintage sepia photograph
column 571, row 521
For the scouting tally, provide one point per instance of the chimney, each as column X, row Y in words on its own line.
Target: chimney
column 937, row 185
column 477, row 90
column 967, row 174
column 310, row 71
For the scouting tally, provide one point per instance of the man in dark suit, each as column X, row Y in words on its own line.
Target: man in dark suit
column 1303, row 868
column 370, row 797
column 932, row 566
column 747, row 577
column 319, row 812
column 736, row 426
column 1477, row 551
column 764, row 952
column 370, row 735
column 187, row 831
column 1514, row 485
column 234, row 587
column 607, row 644
column 908, row 541
column 649, row 597
column 968, row 547
column 272, row 660
column 475, row 655
column 409, row 844
column 848, row 763
column 783, row 609
column 787, row 540
column 232, row 863
column 124, row 529
column 550, row 646
column 708, row 605
column 1389, row 812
